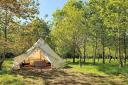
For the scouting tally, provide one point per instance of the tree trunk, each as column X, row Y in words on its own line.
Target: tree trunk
column 103, row 44
column 1, row 65
column 103, row 55
column 2, row 60
column 73, row 55
column 116, row 48
column 84, row 51
column 115, row 55
column 73, row 59
column 79, row 54
column 119, row 49
column 98, row 55
column 110, row 57
column 94, row 57
column 5, row 39
column 80, row 62
column 125, row 52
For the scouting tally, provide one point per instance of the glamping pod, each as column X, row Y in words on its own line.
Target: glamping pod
column 39, row 55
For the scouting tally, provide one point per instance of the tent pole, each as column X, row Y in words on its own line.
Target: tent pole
column 40, row 59
column 40, row 55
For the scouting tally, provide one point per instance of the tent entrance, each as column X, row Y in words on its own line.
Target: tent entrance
column 37, row 59
column 37, row 64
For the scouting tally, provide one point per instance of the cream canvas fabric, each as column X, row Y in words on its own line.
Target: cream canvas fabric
column 55, row 60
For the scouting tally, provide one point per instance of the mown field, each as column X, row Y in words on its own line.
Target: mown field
column 73, row 74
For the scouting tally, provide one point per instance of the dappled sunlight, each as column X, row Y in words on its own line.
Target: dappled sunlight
column 71, row 75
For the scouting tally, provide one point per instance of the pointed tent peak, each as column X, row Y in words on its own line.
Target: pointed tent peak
column 40, row 40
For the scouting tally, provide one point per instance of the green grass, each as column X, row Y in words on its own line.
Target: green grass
column 9, row 78
column 88, row 74
column 99, row 68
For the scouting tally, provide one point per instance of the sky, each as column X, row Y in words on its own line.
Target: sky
column 49, row 6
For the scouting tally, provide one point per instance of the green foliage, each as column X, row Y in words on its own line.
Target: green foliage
column 91, row 28
column 10, row 11
column 68, row 29
column 24, row 36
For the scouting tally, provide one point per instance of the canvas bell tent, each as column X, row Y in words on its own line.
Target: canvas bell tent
column 39, row 55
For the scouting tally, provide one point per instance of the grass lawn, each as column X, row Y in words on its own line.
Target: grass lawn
column 99, row 68
column 88, row 74
column 9, row 78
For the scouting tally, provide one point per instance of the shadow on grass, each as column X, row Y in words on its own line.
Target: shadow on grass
column 53, row 77
column 62, row 77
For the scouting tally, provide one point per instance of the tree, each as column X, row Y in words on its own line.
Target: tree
column 68, row 29
column 92, row 28
column 12, row 9
column 115, row 16
column 98, row 29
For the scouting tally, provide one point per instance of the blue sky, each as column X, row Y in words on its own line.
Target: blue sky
column 49, row 6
